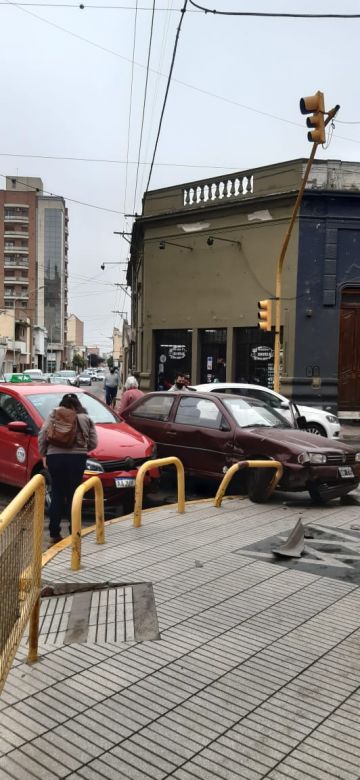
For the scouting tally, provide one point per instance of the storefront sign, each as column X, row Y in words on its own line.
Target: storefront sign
column 177, row 352
column 262, row 353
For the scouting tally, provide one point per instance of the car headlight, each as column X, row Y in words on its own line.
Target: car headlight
column 357, row 457
column 315, row 458
column 331, row 418
column 94, row 465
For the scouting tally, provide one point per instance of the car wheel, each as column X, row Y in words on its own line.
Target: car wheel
column 259, row 484
column 316, row 428
column 316, row 497
column 48, row 490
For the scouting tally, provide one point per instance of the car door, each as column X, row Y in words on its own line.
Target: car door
column 151, row 417
column 202, row 436
column 14, row 446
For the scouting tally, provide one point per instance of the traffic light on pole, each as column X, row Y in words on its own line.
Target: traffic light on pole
column 264, row 315
column 314, row 104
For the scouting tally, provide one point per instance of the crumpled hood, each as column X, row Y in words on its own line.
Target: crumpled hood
column 119, row 440
column 301, row 440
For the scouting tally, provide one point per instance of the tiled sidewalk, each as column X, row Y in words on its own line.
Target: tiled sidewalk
column 256, row 674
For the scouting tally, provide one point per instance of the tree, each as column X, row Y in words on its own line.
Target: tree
column 78, row 361
column 94, row 360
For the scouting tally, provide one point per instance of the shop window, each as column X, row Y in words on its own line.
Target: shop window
column 172, row 356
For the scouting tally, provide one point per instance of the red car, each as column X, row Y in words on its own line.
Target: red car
column 119, row 452
column 211, row 431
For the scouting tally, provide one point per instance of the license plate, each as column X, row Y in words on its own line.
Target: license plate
column 124, row 482
column 346, row 472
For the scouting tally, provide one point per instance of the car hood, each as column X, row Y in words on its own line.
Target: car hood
column 119, row 440
column 294, row 441
column 313, row 410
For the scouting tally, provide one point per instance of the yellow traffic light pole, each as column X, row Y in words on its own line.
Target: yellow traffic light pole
column 280, row 262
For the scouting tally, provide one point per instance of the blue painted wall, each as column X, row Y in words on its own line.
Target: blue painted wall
column 328, row 260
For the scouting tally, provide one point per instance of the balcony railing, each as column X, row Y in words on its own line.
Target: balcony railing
column 16, row 262
column 16, row 249
column 16, row 296
column 16, row 233
column 219, row 189
column 19, row 219
column 15, row 280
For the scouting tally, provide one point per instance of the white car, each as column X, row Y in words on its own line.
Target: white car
column 319, row 421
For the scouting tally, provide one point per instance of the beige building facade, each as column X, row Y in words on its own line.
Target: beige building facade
column 202, row 256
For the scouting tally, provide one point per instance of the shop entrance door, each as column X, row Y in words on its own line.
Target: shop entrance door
column 349, row 351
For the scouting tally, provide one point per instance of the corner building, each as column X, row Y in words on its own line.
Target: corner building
column 204, row 253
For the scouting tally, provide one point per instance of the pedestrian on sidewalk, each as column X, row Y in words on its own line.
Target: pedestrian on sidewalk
column 111, row 384
column 65, row 439
column 131, row 393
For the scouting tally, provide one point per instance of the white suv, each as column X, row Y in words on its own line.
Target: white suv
column 319, row 421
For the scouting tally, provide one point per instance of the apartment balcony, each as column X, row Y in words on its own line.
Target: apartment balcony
column 19, row 250
column 10, row 295
column 18, row 220
column 16, row 233
column 16, row 263
column 20, row 346
column 15, row 280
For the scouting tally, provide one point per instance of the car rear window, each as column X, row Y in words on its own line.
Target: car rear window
column 44, row 403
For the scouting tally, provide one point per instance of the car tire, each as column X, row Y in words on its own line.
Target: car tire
column 258, row 485
column 316, row 428
column 316, row 498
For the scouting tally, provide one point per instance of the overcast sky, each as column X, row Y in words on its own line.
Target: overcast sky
column 63, row 96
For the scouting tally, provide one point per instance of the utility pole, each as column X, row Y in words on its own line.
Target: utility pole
column 309, row 105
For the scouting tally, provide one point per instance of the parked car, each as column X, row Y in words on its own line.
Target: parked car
column 211, row 431
column 319, row 421
column 116, row 459
column 83, row 379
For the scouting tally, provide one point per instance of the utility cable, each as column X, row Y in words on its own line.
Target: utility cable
column 183, row 11
column 63, row 197
column 130, row 106
column 272, row 14
column 118, row 162
column 200, row 90
column 144, row 102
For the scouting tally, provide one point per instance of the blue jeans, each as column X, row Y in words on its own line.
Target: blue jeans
column 66, row 472
column 110, row 394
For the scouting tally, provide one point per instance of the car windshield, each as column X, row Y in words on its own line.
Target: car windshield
column 44, row 403
column 254, row 416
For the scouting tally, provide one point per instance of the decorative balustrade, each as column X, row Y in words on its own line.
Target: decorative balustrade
column 238, row 186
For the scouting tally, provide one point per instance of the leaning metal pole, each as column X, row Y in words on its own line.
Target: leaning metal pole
column 280, row 262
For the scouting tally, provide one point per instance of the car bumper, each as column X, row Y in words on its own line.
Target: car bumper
column 112, row 493
column 298, row 477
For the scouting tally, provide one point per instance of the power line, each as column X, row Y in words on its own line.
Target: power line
column 144, row 102
column 271, row 14
column 85, row 7
column 119, row 162
column 130, row 106
column 200, row 90
column 63, row 197
column 183, row 10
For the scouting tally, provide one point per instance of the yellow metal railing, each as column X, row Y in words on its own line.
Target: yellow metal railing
column 139, row 484
column 21, row 533
column 250, row 464
column 94, row 483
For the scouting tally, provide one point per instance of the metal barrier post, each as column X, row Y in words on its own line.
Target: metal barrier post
column 251, row 464
column 21, row 533
column 139, row 484
column 94, row 483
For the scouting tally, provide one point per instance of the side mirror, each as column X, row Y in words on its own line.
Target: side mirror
column 285, row 405
column 301, row 423
column 18, row 426
column 224, row 426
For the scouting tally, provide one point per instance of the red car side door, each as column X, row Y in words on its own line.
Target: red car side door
column 14, row 445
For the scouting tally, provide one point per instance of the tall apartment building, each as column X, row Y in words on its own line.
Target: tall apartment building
column 34, row 273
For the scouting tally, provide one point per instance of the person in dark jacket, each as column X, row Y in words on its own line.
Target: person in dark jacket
column 66, row 465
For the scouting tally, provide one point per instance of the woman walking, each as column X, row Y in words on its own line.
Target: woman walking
column 65, row 439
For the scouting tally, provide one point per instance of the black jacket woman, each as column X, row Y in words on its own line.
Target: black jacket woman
column 66, row 465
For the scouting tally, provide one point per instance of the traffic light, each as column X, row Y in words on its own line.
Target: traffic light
column 264, row 315
column 314, row 104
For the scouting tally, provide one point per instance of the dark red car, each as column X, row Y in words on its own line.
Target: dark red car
column 210, row 432
column 119, row 452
